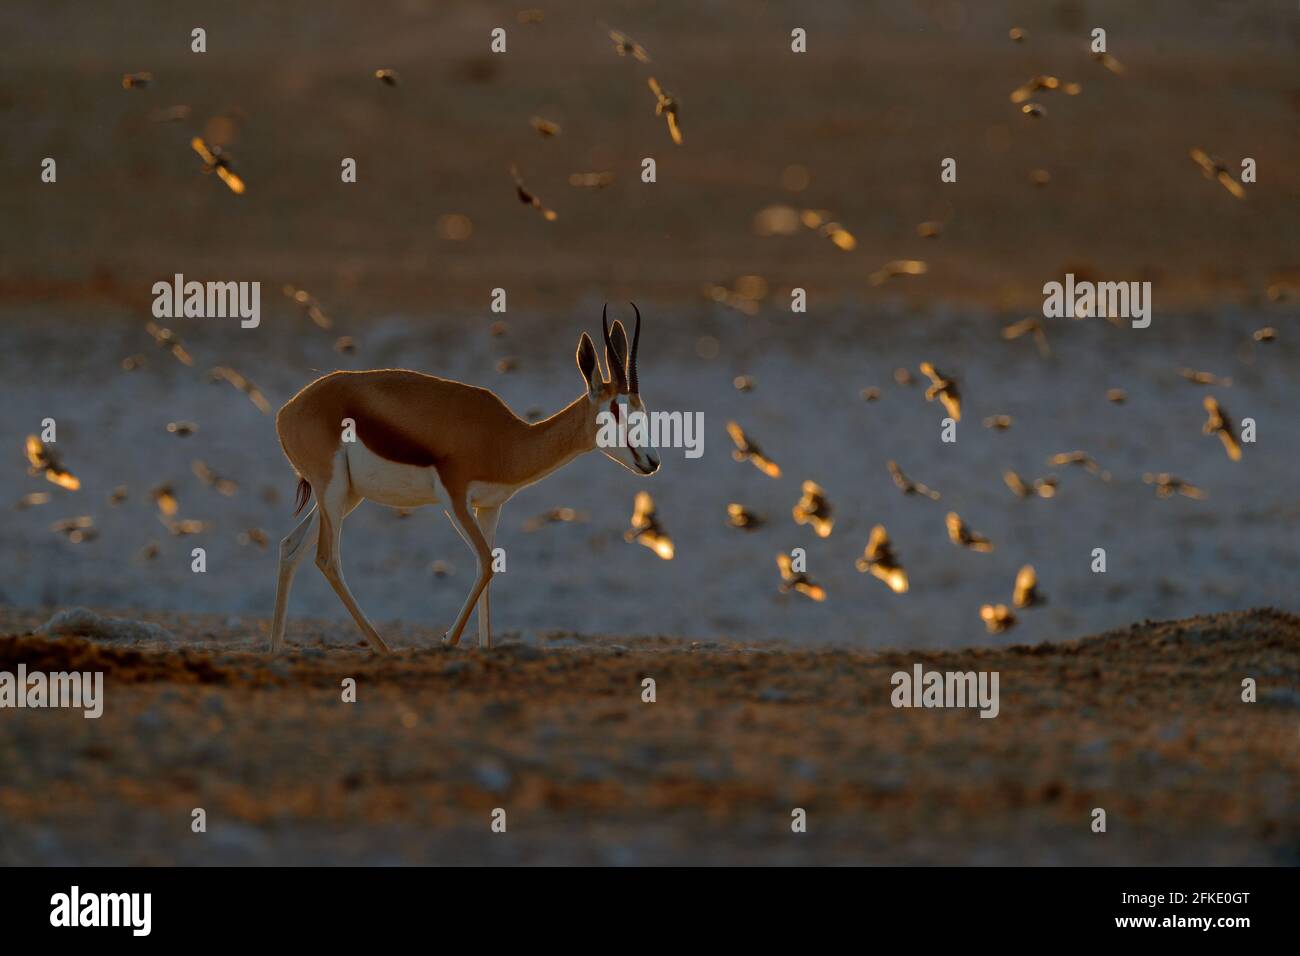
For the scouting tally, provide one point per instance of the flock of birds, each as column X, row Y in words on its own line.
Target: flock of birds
column 880, row 558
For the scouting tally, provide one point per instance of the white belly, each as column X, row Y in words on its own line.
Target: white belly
column 389, row 483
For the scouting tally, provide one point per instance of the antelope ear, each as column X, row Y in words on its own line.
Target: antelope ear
column 587, row 361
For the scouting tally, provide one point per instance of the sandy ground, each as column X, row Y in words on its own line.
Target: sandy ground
column 1146, row 722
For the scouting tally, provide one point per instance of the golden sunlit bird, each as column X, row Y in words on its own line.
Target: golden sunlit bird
column 822, row 222
column 1017, row 35
column 166, row 339
column 792, row 580
column 747, row 450
column 182, row 429
column 1041, row 487
column 224, row 373
column 1220, row 424
column 898, row 267
column 1033, row 111
column 666, row 106
column 997, row 617
column 1167, row 485
column 33, row 499
column 596, row 180
column 907, row 486
column 77, row 530
column 738, row 516
column 930, row 230
column 1029, row 326
column 309, row 304
column 942, row 388
column 1212, row 168
column 879, row 559
column 1040, row 177
column 1026, row 590
column 185, row 526
column 117, row 496
column 998, row 422
column 903, row 376
column 645, row 527
column 254, row 536
column 544, row 127
column 528, row 199
column 1266, row 334
column 217, row 160
column 1116, row 396
column 1083, row 460
column 44, row 460
column 1038, row 81
column 165, row 498
column 814, row 509
column 743, row 383
column 624, row 45
column 554, row 516
column 1110, row 63
column 224, row 486
column 1203, row 378
column 388, row 77
column 136, row 81
column 962, row 536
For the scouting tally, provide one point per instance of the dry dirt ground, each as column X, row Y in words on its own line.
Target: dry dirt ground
column 1146, row 722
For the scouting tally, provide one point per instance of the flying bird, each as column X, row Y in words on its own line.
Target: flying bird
column 747, row 450
column 624, row 45
column 1083, row 460
column 880, row 560
column 44, row 460
column 1203, row 378
column 136, row 81
column 1167, row 485
column 898, row 267
column 823, row 223
column 224, row 373
column 792, row 580
column 907, row 486
column 646, row 529
column 310, row 305
column 217, row 160
column 1029, row 326
column 595, row 180
column 944, row 389
column 544, row 127
column 554, row 516
column 1040, row 487
column 738, row 516
column 1220, row 424
column 1212, row 168
column 814, row 509
column 1110, row 63
column 666, row 106
column 388, row 77
column 961, row 535
column 1026, row 590
column 166, row 339
column 528, row 199
column 997, row 617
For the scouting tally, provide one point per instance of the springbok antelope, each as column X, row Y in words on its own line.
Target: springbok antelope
column 423, row 440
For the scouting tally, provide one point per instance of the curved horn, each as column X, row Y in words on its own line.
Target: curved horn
column 617, row 373
column 631, row 359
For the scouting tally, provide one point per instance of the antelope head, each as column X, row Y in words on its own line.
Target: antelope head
column 618, row 395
